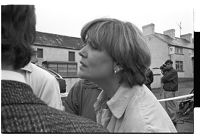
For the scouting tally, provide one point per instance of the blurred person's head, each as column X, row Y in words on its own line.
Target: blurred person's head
column 44, row 64
column 114, row 48
column 17, row 34
column 163, row 68
column 168, row 64
column 34, row 59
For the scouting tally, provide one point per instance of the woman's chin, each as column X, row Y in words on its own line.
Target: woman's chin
column 82, row 74
column 85, row 76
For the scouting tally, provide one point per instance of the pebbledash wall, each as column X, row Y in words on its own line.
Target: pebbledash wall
column 167, row 46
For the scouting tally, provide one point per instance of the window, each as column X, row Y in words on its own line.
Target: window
column 64, row 69
column 39, row 53
column 72, row 69
column 71, row 56
column 179, row 66
column 178, row 50
column 53, row 67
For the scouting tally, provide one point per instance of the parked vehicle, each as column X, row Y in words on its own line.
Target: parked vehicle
column 59, row 78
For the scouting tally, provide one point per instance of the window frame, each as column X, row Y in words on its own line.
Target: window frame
column 59, row 67
column 37, row 54
column 71, row 58
column 179, row 65
column 179, row 50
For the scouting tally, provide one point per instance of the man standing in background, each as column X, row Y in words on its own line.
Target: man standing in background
column 170, row 86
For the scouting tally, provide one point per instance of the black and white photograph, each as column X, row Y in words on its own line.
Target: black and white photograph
column 99, row 67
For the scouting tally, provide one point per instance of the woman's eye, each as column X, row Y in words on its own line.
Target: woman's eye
column 92, row 46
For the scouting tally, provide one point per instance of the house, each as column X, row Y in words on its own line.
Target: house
column 167, row 46
column 60, row 53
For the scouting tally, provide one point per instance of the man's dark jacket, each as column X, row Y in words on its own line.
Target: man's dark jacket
column 81, row 99
column 170, row 80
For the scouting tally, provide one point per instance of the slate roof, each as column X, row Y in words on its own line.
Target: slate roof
column 176, row 41
column 55, row 40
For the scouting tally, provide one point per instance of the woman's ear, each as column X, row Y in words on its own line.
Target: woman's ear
column 117, row 68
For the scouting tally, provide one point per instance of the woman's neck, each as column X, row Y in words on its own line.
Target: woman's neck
column 110, row 86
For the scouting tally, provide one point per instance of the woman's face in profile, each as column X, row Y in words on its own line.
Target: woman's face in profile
column 95, row 64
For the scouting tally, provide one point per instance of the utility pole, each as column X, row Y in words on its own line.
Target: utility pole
column 193, row 20
column 180, row 28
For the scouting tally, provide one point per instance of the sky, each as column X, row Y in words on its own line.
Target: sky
column 67, row 17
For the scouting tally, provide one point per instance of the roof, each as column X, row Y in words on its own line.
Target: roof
column 55, row 40
column 176, row 41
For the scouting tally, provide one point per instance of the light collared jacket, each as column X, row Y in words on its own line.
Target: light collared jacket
column 44, row 85
column 134, row 110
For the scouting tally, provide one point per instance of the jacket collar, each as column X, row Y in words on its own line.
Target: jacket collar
column 119, row 102
column 89, row 84
column 28, row 67
column 101, row 101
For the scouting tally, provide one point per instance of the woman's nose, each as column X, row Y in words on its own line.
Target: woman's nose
column 83, row 53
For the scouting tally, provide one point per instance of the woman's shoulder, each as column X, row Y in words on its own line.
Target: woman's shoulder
column 142, row 102
column 144, row 113
column 145, row 98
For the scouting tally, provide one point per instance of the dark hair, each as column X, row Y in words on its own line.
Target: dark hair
column 168, row 61
column 124, row 42
column 17, row 34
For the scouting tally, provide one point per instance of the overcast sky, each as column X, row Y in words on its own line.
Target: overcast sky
column 67, row 17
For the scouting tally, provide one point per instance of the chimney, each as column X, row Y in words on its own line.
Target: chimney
column 170, row 33
column 187, row 37
column 148, row 29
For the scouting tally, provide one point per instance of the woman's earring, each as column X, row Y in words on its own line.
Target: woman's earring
column 117, row 69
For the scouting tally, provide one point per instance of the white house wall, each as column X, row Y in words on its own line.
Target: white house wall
column 187, row 63
column 159, row 51
column 159, row 54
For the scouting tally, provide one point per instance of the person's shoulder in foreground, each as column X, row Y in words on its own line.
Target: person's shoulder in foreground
column 22, row 111
column 39, row 73
column 44, row 85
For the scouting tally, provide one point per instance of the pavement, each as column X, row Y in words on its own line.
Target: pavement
column 185, row 123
